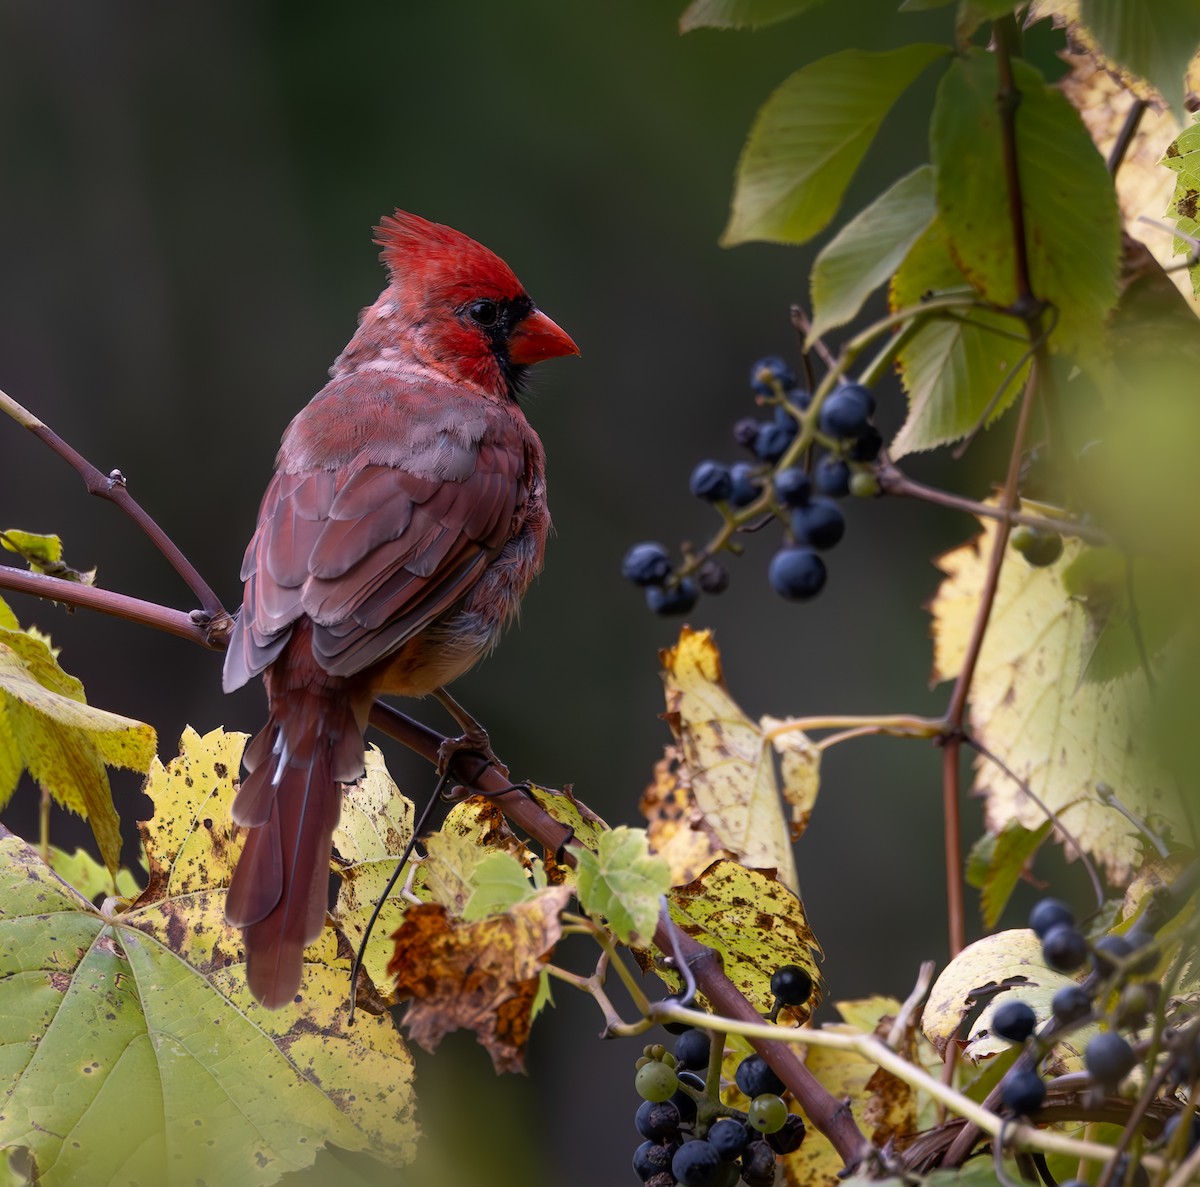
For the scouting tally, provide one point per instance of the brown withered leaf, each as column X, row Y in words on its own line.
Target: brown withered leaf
column 676, row 826
column 483, row 976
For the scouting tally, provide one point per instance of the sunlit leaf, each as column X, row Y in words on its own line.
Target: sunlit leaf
column 730, row 766
column 135, row 1043
column 1073, row 256
column 996, row 863
column 1059, row 736
column 1183, row 159
column 809, row 137
column 868, row 249
column 48, row 728
column 740, row 14
column 82, row 871
column 43, row 554
column 677, row 830
column 955, row 366
column 623, row 882
column 1154, row 39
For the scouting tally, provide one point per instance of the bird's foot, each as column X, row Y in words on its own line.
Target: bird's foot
column 468, row 756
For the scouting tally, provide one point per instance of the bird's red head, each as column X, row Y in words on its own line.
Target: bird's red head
column 456, row 306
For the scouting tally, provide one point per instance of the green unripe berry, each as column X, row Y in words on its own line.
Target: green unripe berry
column 656, row 1082
column 767, row 1113
column 864, row 484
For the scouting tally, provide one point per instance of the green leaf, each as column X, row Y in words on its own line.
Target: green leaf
column 868, row 249
column 1152, row 38
column 1072, row 224
column 499, row 882
column 33, row 549
column 973, row 13
column 740, row 14
column 82, row 871
column 132, row 1048
column 47, row 726
column 954, row 365
column 1183, row 158
column 996, row 863
column 809, row 137
column 622, row 882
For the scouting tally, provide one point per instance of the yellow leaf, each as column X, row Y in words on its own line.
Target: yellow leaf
column 729, row 760
column 1028, row 707
column 137, row 1052
column 47, row 726
column 1014, row 955
column 756, row 923
column 678, row 832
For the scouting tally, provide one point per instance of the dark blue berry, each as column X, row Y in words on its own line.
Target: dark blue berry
column 730, row 1137
column 1108, row 950
column 658, row 1120
column 1014, row 1021
column 682, row 1101
column 712, row 577
column 1108, row 1059
column 788, row 1139
column 755, row 1077
column 651, row 1158
column 819, row 525
column 1023, row 1091
column 1172, row 1128
column 832, row 477
column 646, row 564
column 1064, row 949
column 792, row 487
column 711, row 481
column 758, row 1163
column 796, row 574
column 846, row 412
column 1048, row 913
column 696, row 1164
column 773, row 440
column 745, row 431
column 746, row 487
column 1071, row 1004
column 678, row 599
column 791, row 985
column 867, row 447
column 692, row 1049
column 769, row 372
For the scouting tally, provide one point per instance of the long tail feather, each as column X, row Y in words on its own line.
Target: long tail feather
column 290, row 802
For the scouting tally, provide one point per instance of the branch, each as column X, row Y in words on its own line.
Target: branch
column 112, row 487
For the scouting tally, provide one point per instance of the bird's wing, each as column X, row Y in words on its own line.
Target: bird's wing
column 373, row 552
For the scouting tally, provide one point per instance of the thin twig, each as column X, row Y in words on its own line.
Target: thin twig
column 1135, row 628
column 1125, row 136
column 803, row 326
column 112, row 487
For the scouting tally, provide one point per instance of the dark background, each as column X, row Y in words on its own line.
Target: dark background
column 185, row 231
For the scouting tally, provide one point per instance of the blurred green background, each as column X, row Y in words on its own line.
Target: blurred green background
column 185, row 229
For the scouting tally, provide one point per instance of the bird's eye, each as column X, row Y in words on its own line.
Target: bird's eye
column 483, row 313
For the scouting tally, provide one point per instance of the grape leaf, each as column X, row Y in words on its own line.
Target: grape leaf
column 809, row 137
column 1028, row 707
column 375, row 827
column 1073, row 256
column 47, row 727
column 740, row 14
column 484, row 976
column 868, row 249
column 677, row 830
column 996, row 863
column 43, row 554
column 1155, row 39
column 623, row 882
column 1014, row 955
column 756, row 923
column 1183, row 159
column 954, row 366
column 729, row 761
column 498, row 883
column 82, row 871
column 136, row 1048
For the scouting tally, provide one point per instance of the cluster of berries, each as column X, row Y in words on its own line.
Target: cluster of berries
column 802, row 493
column 1115, row 991
column 691, row 1138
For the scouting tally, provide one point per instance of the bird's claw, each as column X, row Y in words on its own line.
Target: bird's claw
column 473, row 745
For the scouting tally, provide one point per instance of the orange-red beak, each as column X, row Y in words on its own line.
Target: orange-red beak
column 536, row 337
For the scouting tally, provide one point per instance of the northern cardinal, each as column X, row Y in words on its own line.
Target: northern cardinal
column 406, row 518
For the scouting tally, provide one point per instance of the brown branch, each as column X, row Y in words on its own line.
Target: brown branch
column 193, row 626
column 112, row 488
column 893, row 481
